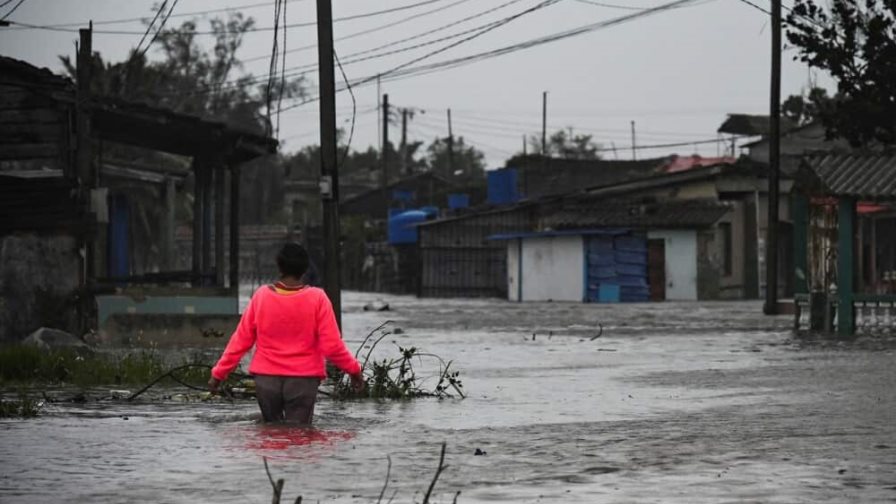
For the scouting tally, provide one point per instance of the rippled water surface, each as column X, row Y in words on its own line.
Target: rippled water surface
column 672, row 403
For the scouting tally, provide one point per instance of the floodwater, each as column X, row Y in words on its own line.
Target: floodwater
column 674, row 402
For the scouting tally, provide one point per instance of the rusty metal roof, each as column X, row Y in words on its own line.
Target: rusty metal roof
column 686, row 214
column 867, row 176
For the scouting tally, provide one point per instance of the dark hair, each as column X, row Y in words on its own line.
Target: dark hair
column 292, row 260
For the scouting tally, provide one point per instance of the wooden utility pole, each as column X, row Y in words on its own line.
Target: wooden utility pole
column 524, row 145
column 450, row 146
column 84, row 171
column 329, row 170
column 544, row 124
column 404, row 141
column 634, row 143
column 385, row 155
column 774, row 161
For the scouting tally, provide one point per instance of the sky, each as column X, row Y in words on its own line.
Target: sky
column 676, row 73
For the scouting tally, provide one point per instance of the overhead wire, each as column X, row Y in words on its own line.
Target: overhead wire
column 143, row 18
column 150, row 25
column 16, row 6
column 414, row 37
column 161, row 27
column 251, row 30
column 351, row 133
column 440, row 50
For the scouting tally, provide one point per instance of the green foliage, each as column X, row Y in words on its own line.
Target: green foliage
column 22, row 407
column 855, row 42
column 28, row 364
column 465, row 163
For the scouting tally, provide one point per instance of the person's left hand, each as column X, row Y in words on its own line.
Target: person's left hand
column 213, row 385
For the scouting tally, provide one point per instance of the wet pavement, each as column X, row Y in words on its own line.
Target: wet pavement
column 673, row 402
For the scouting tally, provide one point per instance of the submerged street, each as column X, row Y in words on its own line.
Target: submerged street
column 673, row 402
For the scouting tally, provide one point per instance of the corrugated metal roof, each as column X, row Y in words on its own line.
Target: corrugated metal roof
column 606, row 214
column 867, row 176
column 562, row 232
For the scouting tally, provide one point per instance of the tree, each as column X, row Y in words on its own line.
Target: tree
column 192, row 80
column 567, row 145
column 854, row 41
column 465, row 163
column 802, row 110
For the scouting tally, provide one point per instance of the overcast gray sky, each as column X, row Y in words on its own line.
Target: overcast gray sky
column 675, row 73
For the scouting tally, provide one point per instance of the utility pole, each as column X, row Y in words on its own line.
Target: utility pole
column 450, row 147
column 329, row 170
column 84, row 170
column 634, row 143
column 524, row 145
column 774, row 161
column 404, row 141
column 544, row 124
column 385, row 155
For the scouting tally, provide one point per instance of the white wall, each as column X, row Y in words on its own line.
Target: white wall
column 681, row 263
column 553, row 269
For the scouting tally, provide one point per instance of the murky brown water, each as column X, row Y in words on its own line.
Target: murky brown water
column 673, row 403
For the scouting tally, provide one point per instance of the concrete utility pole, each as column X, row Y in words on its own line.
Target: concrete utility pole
column 450, row 146
column 544, row 124
column 634, row 143
column 329, row 171
column 385, row 154
column 774, row 161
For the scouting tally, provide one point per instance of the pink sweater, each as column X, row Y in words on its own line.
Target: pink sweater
column 292, row 333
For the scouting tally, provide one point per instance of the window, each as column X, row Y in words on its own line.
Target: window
column 725, row 229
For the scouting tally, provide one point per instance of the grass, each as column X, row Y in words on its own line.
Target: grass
column 23, row 364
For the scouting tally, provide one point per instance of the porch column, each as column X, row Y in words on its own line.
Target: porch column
column 197, row 222
column 799, row 212
column 235, row 228
column 169, row 233
column 220, row 182
column 846, row 215
column 207, row 171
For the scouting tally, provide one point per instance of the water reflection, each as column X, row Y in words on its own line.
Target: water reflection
column 285, row 441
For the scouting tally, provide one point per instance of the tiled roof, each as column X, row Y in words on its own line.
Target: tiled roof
column 867, row 176
column 632, row 214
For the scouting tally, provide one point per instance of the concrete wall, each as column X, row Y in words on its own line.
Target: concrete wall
column 552, row 269
column 681, row 263
column 39, row 277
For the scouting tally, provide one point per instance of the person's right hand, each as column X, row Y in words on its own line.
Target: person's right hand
column 357, row 382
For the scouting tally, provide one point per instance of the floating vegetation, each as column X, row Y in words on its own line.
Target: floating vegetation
column 22, row 407
column 396, row 377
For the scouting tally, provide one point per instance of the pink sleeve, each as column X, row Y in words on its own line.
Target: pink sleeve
column 240, row 343
column 330, row 341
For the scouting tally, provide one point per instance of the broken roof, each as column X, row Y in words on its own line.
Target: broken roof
column 751, row 125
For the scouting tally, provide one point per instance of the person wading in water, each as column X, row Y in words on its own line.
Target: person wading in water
column 294, row 330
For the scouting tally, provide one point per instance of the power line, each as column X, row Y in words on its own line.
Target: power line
column 161, row 27
column 150, row 25
column 301, row 70
column 140, row 19
column 407, row 64
column 351, row 133
column 402, row 72
column 16, row 6
column 419, row 35
column 760, row 9
column 611, row 6
column 251, row 30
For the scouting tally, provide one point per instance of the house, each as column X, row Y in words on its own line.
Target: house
column 845, row 237
column 70, row 211
column 717, row 235
column 415, row 191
